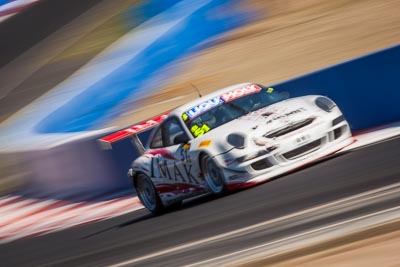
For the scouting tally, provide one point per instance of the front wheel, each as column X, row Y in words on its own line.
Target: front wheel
column 148, row 195
column 213, row 175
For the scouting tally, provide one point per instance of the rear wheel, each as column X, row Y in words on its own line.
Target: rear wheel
column 213, row 175
column 148, row 195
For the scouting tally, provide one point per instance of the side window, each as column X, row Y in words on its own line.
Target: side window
column 170, row 133
column 173, row 133
column 157, row 142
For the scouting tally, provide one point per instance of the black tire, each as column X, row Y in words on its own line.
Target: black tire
column 213, row 176
column 148, row 195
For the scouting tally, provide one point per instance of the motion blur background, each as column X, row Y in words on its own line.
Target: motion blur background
column 77, row 67
column 72, row 71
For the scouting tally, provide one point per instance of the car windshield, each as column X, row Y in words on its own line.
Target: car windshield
column 226, row 108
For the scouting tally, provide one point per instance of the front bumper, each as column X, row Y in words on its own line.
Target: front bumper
column 294, row 150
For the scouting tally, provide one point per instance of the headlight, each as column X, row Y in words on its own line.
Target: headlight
column 238, row 140
column 252, row 156
column 325, row 103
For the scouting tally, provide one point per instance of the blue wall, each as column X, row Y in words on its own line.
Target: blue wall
column 366, row 89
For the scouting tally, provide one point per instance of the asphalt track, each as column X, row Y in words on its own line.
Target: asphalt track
column 138, row 234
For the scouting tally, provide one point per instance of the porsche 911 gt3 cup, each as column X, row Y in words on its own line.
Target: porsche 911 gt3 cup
column 234, row 138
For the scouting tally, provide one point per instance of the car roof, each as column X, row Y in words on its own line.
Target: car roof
column 181, row 109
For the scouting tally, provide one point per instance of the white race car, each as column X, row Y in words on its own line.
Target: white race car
column 234, row 138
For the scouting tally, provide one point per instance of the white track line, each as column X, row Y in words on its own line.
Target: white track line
column 263, row 224
column 375, row 135
column 293, row 237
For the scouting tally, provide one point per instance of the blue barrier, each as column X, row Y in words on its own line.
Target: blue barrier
column 366, row 88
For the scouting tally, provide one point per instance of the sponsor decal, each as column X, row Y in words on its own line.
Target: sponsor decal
column 162, row 152
column 240, row 92
column 281, row 116
column 135, row 129
column 172, row 170
column 205, row 143
column 270, row 90
column 209, row 104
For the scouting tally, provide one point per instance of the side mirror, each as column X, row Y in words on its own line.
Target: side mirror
column 181, row 138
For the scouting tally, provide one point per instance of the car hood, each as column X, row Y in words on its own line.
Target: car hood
column 274, row 118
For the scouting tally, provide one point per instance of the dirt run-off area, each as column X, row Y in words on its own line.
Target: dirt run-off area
column 374, row 246
column 292, row 38
column 377, row 251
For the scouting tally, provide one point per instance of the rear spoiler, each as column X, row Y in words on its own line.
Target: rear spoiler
column 132, row 132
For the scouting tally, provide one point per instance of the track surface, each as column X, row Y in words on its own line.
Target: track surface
column 138, row 233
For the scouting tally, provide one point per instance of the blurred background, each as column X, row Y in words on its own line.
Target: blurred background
column 72, row 71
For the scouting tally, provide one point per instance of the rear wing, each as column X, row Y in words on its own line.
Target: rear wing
column 132, row 131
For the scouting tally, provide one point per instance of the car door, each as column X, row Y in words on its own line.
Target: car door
column 171, row 160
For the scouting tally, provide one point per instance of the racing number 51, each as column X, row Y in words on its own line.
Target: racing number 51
column 197, row 131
